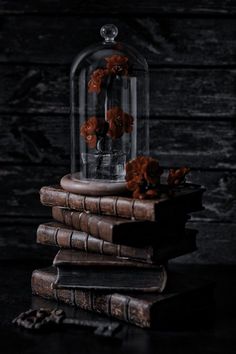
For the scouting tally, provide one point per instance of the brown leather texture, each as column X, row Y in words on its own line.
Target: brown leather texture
column 60, row 235
column 186, row 199
column 80, row 270
column 183, row 294
column 119, row 230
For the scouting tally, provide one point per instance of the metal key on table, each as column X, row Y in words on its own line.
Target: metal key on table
column 39, row 319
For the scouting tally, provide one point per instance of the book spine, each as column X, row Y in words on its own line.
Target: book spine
column 123, row 207
column 122, row 307
column 68, row 238
column 106, row 205
column 87, row 222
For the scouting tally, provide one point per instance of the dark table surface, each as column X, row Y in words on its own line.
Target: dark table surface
column 214, row 335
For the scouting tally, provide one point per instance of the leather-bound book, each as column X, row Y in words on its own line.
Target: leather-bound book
column 80, row 270
column 183, row 295
column 184, row 199
column 119, row 230
column 62, row 236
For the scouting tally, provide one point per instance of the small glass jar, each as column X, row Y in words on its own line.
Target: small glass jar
column 109, row 87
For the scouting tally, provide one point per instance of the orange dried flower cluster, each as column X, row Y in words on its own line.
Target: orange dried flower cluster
column 143, row 177
column 177, row 176
column 119, row 122
column 90, row 129
column 116, row 65
column 94, row 84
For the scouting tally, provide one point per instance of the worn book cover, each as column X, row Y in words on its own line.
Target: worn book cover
column 184, row 199
column 182, row 295
column 57, row 234
column 120, row 230
column 76, row 269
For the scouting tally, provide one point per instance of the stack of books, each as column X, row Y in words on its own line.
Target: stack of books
column 113, row 253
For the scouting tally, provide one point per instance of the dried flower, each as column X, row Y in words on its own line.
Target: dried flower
column 95, row 82
column 143, row 177
column 119, row 122
column 115, row 120
column 91, row 140
column 152, row 171
column 177, row 176
column 90, row 126
column 133, row 183
column 134, row 174
column 128, row 122
column 91, row 129
column 117, row 65
column 151, row 193
column 137, row 194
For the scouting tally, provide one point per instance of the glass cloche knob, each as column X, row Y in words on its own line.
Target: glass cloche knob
column 109, row 32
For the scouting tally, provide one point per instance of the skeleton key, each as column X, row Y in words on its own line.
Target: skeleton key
column 42, row 318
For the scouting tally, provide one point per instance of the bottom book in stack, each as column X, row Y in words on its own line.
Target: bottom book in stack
column 184, row 297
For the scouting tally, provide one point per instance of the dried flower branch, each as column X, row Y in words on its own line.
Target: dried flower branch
column 177, row 176
column 95, row 82
column 119, row 122
column 143, row 177
column 92, row 129
column 117, row 65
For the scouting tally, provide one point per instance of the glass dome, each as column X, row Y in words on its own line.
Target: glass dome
column 109, row 87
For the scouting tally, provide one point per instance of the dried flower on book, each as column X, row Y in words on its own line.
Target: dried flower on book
column 177, row 176
column 143, row 177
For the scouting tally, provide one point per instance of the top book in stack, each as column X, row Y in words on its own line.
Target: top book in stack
column 186, row 198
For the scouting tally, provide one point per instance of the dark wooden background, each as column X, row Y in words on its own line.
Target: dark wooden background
column 190, row 47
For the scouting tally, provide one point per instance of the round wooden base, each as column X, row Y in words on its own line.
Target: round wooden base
column 94, row 188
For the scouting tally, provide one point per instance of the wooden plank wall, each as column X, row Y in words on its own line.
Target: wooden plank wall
column 190, row 47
